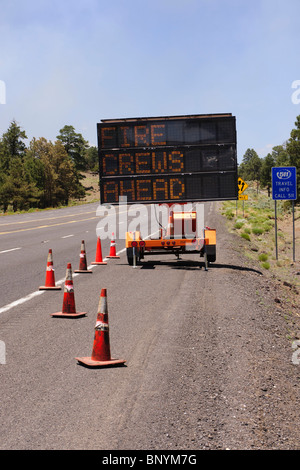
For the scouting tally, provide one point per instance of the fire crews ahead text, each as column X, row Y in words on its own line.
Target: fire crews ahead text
column 163, row 159
column 150, row 459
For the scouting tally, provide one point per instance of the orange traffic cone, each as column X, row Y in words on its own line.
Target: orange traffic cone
column 170, row 228
column 101, row 347
column 112, row 252
column 82, row 261
column 68, row 308
column 50, row 278
column 98, row 259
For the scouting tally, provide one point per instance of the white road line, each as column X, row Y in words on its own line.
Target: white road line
column 68, row 236
column 20, row 301
column 39, row 292
column 61, row 281
column 12, row 249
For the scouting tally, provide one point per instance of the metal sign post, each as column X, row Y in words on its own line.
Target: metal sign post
column 294, row 231
column 284, row 187
column 276, row 245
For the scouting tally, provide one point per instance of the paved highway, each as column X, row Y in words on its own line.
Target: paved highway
column 188, row 336
column 26, row 239
column 46, row 393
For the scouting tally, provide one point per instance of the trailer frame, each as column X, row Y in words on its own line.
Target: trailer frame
column 172, row 242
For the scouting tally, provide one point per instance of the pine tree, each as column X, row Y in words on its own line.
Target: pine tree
column 250, row 166
column 55, row 173
column 14, row 188
column 75, row 146
column 92, row 160
column 293, row 150
column 266, row 172
column 13, row 142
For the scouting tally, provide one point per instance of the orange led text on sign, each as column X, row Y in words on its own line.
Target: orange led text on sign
column 155, row 189
column 131, row 163
column 176, row 161
column 126, row 164
column 143, row 162
column 142, row 135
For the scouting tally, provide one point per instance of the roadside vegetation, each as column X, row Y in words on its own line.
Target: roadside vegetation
column 42, row 174
column 254, row 221
column 253, row 168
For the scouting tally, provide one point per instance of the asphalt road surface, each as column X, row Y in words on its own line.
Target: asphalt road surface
column 206, row 367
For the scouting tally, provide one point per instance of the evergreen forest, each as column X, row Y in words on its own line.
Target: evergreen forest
column 43, row 174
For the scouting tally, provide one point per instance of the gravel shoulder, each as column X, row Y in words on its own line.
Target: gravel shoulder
column 219, row 374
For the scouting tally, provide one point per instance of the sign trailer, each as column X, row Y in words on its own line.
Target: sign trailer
column 169, row 160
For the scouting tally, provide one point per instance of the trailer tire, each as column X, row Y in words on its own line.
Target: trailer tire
column 211, row 254
column 129, row 253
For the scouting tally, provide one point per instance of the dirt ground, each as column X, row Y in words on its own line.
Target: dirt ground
column 233, row 380
column 91, row 183
column 265, row 359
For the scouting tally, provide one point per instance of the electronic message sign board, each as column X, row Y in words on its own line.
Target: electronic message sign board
column 168, row 159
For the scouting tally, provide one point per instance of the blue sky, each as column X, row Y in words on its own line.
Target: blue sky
column 77, row 62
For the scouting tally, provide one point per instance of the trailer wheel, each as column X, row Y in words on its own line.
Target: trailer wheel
column 205, row 261
column 211, row 253
column 129, row 253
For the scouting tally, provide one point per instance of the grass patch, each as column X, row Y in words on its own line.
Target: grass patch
column 263, row 257
column 257, row 230
column 246, row 236
column 229, row 214
column 238, row 225
column 267, row 226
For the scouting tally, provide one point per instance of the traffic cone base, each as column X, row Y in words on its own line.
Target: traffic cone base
column 68, row 315
column 98, row 262
column 83, row 271
column 88, row 361
column 49, row 288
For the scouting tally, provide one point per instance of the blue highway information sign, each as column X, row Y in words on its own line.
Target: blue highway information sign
column 284, row 183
